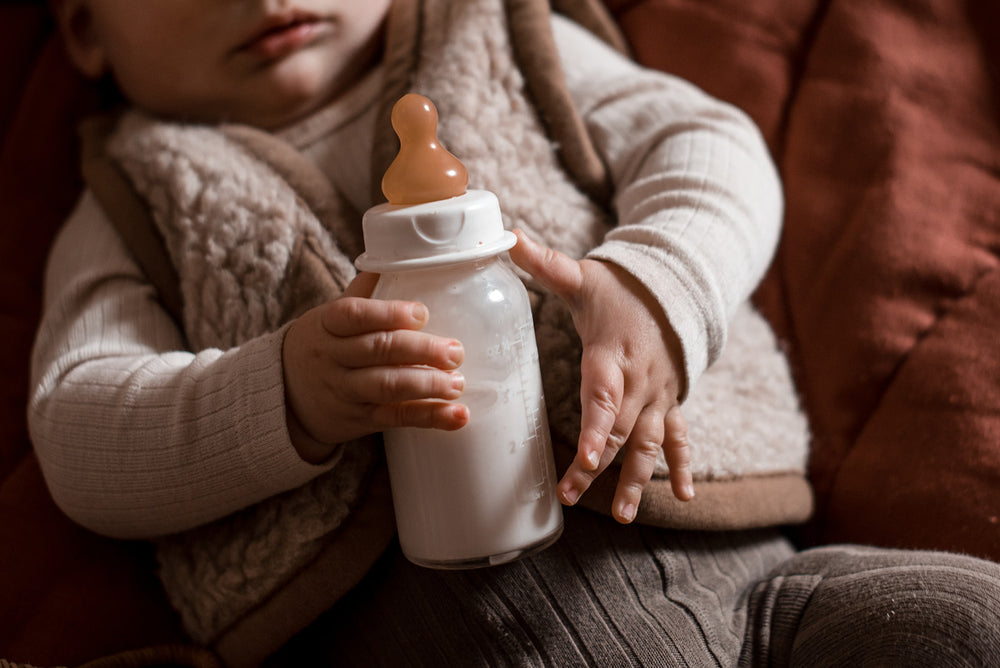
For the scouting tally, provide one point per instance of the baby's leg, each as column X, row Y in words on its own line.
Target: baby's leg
column 861, row 606
column 604, row 595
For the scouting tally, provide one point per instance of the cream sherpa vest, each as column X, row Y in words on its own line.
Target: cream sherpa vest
column 255, row 235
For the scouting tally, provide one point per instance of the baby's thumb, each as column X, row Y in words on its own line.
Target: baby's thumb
column 554, row 270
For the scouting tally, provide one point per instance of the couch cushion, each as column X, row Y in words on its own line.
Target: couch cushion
column 884, row 120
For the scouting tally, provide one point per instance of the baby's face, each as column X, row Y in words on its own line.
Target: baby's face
column 262, row 62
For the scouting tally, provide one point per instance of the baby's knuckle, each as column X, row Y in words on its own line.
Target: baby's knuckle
column 581, row 478
column 677, row 459
column 633, row 488
column 646, row 448
column 387, row 383
column 616, row 439
column 605, row 399
column 676, row 441
column 381, row 343
column 676, row 427
column 597, row 436
column 350, row 308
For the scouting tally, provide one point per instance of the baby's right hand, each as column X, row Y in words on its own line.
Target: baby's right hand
column 355, row 366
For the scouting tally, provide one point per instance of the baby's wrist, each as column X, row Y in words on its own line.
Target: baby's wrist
column 308, row 448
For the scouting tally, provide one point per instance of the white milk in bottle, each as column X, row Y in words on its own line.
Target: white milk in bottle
column 483, row 494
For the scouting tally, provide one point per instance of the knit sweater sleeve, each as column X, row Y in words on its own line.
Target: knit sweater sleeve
column 136, row 437
column 697, row 197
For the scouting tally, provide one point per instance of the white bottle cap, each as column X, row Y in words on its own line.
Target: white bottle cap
column 458, row 229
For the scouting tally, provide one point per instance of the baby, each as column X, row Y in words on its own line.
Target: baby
column 355, row 366
column 252, row 136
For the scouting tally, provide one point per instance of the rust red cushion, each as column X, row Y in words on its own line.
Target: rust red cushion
column 884, row 119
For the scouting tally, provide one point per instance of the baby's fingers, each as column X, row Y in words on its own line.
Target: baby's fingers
column 602, row 391
column 638, row 464
column 422, row 414
column 351, row 316
column 577, row 479
column 393, row 385
column 399, row 347
column 677, row 452
column 601, row 396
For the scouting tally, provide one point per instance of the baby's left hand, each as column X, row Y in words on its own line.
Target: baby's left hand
column 630, row 377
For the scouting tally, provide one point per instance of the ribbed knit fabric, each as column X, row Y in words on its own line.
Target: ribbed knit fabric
column 612, row 595
column 866, row 606
column 108, row 356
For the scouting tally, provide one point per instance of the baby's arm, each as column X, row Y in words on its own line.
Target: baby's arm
column 697, row 196
column 699, row 209
column 136, row 437
column 355, row 366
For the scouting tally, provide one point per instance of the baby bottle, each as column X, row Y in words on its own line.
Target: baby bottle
column 483, row 494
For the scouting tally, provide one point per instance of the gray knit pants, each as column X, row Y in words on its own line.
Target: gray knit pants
column 611, row 595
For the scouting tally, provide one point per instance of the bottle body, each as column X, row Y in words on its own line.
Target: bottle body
column 483, row 494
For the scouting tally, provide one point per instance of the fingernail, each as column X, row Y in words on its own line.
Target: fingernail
column 628, row 512
column 689, row 490
column 457, row 383
column 593, row 459
column 419, row 313
column 456, row 353
column 456, row 388
column 570, row 496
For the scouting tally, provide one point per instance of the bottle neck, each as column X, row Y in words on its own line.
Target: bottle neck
column 459, row 267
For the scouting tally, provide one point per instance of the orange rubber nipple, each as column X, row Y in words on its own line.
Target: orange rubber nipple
column 423, row 171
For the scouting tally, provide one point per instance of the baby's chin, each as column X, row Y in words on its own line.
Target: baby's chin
column 269, row 98
column 275, row 114
column 288, row 91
